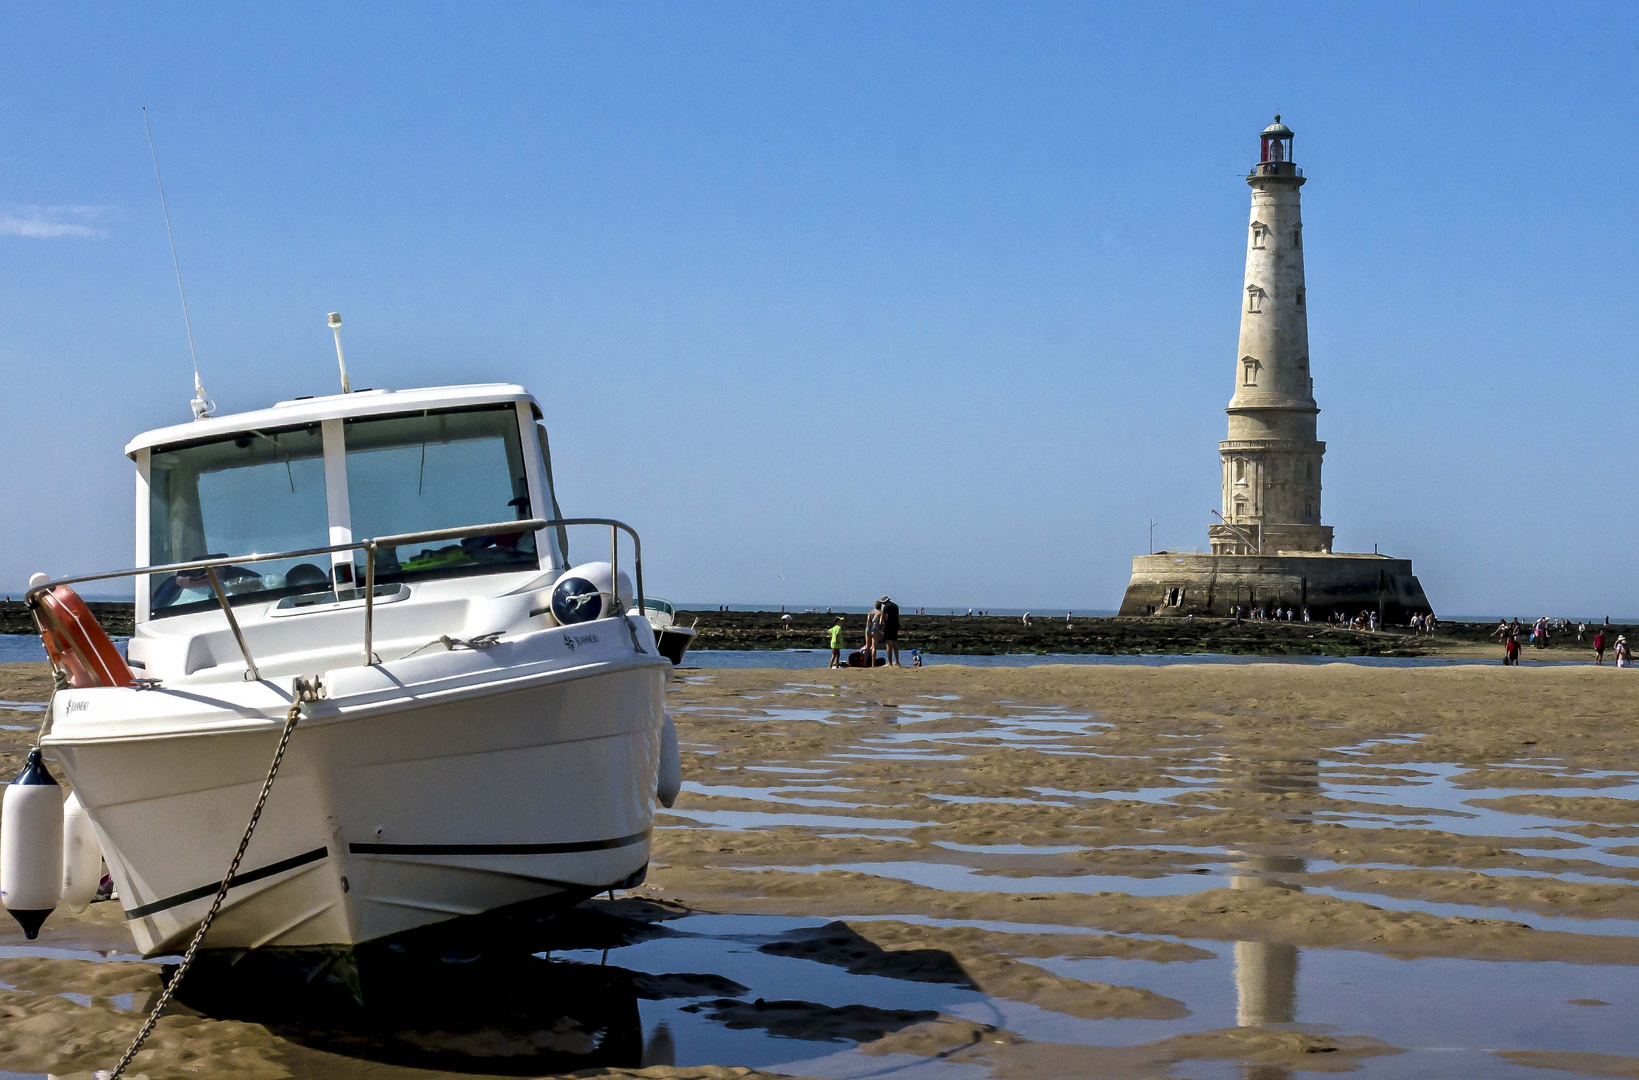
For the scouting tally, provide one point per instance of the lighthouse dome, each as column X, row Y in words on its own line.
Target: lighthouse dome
column 1277, row 130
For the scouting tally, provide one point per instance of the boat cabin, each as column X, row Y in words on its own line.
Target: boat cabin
column 321, row 472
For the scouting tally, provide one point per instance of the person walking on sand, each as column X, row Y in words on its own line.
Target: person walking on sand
column 1599, row 648
column 889, row 630
column 1510, row 652
column 1622, row 658
column 836, row 642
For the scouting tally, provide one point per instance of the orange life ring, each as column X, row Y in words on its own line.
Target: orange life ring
column 76, row 643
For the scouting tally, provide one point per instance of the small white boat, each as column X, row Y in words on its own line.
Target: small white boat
column 488, row 727
column 670, row 637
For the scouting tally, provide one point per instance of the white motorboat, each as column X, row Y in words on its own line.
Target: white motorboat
column 670, row 637
column 486, row 725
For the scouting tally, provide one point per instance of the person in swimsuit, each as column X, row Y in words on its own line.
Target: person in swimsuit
column 873, row 629
column 889, row 629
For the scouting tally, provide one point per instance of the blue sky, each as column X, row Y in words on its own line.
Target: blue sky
column 831, row 300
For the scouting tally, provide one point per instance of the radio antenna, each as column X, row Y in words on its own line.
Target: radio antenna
column 341, row 361
column 202, row 405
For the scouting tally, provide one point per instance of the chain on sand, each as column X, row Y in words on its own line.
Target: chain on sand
column 216, row 905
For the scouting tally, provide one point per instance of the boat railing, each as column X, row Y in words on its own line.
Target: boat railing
column 369, row 547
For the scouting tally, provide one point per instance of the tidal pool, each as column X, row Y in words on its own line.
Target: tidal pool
column 1216, row 871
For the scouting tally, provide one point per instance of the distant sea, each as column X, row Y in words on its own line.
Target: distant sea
column 16, row 648
column 904, row 609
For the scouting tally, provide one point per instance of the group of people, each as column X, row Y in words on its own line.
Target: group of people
column 1424, row 623
column 1364, row 619
column 881, row 634
column 1263, row 614
column 1623, row 659
column 1541, row 634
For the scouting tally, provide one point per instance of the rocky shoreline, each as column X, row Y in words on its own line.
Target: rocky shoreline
column 995, row 635
column 117, row 619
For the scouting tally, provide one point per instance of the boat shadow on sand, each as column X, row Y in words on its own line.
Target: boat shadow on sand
column 485, row 995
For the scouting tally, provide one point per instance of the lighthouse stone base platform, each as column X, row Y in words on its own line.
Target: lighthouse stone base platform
column 1186, row 583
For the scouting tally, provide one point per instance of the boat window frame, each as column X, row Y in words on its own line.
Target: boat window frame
column 341, row 527
column 551, row 553
column 143, row 607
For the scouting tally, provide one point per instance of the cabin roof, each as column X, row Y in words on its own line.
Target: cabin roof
column 308, row 410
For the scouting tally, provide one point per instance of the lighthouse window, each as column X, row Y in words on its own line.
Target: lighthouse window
column 1300, row 299
column 1240, row 470
column 1297, row 237
column 1259, row 232
column 1251, row 372
column 1254, row 299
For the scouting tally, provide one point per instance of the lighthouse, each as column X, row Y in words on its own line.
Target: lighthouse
column 1270, row 551
column 1271, row 458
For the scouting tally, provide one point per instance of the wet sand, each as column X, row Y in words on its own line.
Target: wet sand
column 1251, row 871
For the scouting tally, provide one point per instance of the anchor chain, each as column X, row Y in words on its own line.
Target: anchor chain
column 304, row 691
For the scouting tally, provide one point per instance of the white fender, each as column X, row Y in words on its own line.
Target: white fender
column 671, row 765
column 582, row 593
column 82, row 857
column 31, row 846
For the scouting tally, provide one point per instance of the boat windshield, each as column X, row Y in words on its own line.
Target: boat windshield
column 254, row 491
column 440, row 470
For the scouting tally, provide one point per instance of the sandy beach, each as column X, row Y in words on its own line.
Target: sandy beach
column 1203, row 871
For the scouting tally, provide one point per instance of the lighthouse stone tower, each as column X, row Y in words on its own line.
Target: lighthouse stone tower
column 1271, row 459
column 1269, row 550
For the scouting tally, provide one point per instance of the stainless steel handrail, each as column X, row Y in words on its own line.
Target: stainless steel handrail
column 532, row 525
column 233, row 623
column 369, row 548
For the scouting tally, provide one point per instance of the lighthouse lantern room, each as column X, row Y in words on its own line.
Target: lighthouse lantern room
column 1276, row 156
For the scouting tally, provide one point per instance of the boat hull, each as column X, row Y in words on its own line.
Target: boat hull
column 673, row 641
column 388, row 813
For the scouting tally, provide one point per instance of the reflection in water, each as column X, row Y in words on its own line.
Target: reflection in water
column 509, row 1014
column 487, row 995
column 1266, row 973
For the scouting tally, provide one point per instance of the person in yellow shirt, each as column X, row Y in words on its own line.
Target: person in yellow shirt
column 836, row 643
